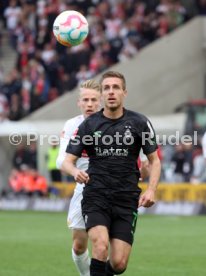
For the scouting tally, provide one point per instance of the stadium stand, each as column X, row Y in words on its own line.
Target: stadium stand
column 45, row 70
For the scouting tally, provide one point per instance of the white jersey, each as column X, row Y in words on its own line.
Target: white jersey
column 204, row 145
column 142, row 156
column 70, row 128
column 74, row 218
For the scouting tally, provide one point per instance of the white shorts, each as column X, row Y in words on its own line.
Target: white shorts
column 75, row 219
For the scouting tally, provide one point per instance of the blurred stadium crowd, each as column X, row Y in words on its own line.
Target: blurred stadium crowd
column 183, row 163
column 45, row 70
column 25, row 179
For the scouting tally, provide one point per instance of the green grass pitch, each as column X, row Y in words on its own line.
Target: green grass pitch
column 39, row 244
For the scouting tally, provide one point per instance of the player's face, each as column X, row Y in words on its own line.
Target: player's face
column 113, row 93
column 89, row 101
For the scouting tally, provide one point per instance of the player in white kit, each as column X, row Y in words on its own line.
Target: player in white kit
column 89, row 103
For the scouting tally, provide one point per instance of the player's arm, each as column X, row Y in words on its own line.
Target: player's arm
column 155, row 170
column 144, row 170
column 74, row 151
column 147, row 199
column 62, row 153
column 149, row 146
column 69, row 167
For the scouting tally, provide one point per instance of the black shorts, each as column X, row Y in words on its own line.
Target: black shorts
column 119, row 219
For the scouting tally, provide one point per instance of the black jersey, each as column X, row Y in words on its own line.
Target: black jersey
column 113, row 147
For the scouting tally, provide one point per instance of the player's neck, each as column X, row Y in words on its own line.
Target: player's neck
column 113, row 114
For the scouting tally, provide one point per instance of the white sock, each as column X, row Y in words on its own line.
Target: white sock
column 82, row 262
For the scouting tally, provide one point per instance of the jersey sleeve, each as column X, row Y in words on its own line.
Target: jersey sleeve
column 149, row 144
column 67, row 132
column 76, row 144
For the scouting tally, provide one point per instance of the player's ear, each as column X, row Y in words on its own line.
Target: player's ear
column 125, row 93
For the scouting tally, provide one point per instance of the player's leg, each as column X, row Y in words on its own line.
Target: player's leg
column 97, row 218
column 121, row 238
column 80, row 254
column 119, row 256
column 99, row 238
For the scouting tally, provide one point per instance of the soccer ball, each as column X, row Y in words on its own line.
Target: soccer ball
column 70, row 28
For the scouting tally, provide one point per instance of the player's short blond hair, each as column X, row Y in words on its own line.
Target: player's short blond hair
column 90, row 84
column 114, row 74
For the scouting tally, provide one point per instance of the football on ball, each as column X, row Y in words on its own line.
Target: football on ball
column 70, row 28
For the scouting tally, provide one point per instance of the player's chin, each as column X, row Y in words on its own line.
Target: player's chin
column 113, row 106
column 112, row 103
column 89, row 112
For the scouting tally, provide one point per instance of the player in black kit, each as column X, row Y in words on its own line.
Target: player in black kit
column 112, row 139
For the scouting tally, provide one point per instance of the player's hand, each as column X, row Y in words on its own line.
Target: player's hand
column 147, row 199
column 81, row 176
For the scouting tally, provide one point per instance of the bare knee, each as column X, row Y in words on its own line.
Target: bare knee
column 100, row 241
column 119, row 265
column 79, row 246
column 100, row 248
column 80, row 241
column 119, row 256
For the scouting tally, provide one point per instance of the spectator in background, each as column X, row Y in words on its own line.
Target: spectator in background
column 201, row 5
column 4, row 108
column 24, row 177
column 199, row 166
column 28, row 181
column 12, row 14
column 68, row 83
column 25, row 156
column 15, row 108
column 32, row 153
column 178, row 163
column 21, row 157
column 11, row 89
column 128, row 51
column 188, row 161
column 182, row 162
column 51, row 157
column 83, row 74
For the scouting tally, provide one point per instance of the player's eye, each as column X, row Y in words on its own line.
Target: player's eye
column 106, row 88
column 116, row 86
